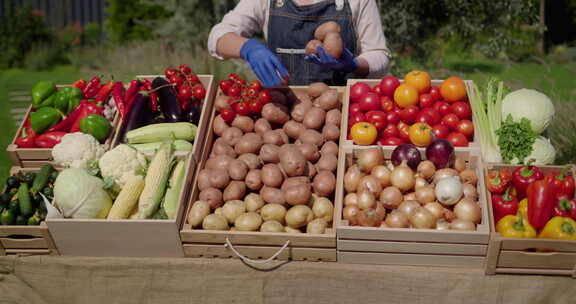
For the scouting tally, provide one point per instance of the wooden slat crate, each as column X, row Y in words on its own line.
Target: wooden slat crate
column 528, row 256
column 256, row 245
column 406, row 246
column 134, row 238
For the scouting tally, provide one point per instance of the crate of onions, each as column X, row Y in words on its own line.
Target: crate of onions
column 412, row 206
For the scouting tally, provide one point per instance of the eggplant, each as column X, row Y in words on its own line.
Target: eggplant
column 192, row 114
column 167, row 99
column 139, row 116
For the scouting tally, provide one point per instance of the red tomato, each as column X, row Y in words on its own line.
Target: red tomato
column 235, row 90
column 255, row 84
column 358, row 90
column 433, row 114
column 377, row 118
column 256, row 106
column 225, row 85
column 403, row 130
column 184, row 93
column 426, row 100
column 442, row 107
column 265, row 96
column 169, row 72
column 391, row 141
column 397, row 109
column 354, row 108
column 199, row 91
column 242, row 82
column 390, row 131
column 251, row 92
column 192, row 79
column 457, row 139
column 376, row 89
column 178, row 80
column 357, row 117
column 388, row 85
column 408, row 115
column 435, row 93
column 451, row 121
column 386, row 103
column 425, row 118
column 462, row 110
column 466, row 127
column 227, row 115
column 242, row 108
column 440, row 131
column 184, row 69
column 234, row 77
column 369, row 102
column 392, row 117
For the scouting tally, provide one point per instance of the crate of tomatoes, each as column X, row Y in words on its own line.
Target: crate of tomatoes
column 532, row 215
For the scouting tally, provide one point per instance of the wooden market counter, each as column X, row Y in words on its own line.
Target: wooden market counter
column 62, row 280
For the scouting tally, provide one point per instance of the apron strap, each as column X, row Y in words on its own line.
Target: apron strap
column 279, row 3
column 339, row 5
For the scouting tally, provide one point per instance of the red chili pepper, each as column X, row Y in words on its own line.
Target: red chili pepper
column 27, row 137
column 523, row 176
column 118, row 93
column 104, row 92
column 563, row 182
column 147, row 86
column 87, row 109
column 92, row 87
column 541, row 202
column 50, row 139
column 131, row 94
column 498, row 181
column 66, row 124
column 80, row 83
column 565, row 207
column 503, row 205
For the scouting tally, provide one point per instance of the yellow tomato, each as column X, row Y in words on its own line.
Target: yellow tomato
column 406, row 95
column 420, row 134
column 364, row 133
column 420, row 80
column 453, row 89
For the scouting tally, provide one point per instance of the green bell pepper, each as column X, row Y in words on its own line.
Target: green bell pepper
column 97, row 126
column 67, row 99
column 40, row 93
column 44, row 118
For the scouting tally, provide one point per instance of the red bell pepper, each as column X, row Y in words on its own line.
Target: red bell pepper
column 541, row 200
column 498, row 181
column 563, row 182
column 565, row 207
column 27, row 136
column 104, row 92
column 118, row 93
column 92, row 87
column 66, row 124
column 80, row 83
column 503, row 205
column 523, row 176
column 87, row 109
column 50, row 139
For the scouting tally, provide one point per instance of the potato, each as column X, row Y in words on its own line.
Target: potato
column 285, row 139
column 251, row 160
column 272, row 195
column 253, row 202
column 211, row 195
column 299, row 216
column 312, row 45
column 298, row 195
column 310, row 151
column 254, row 180
column 299, row 110
column 311, row 170
column 249, row 143
column 318, row 88
column 317, row 226
column 292, row 160
column 329, row 147
column 244, row 123
column 250, row 221
column 219, row 125
column 269, row 153
column 237, row 170
column 218, row 211
column 333, row 44
column 233, row 209
column 204, row 179
column 331, row 132
column 314, row 118
column 222, row 148
column 294, row 181
column 334, row 117
column 215, row 222
column 293, row 129
column 234, row 191
column 219, row 178
column 273, row 212
column 324, row 183
column 231, row 136
column 327, row 162
column 273, row 137
column 323, row 208
column 328, row 100
column 312, row 137
column 275, row 113
column 200, row 209
column 271, row 175
column 325, row 28
column 261, row 126
column 221, row 102
column 219, row 162
column 291, row 230
column 271, row 226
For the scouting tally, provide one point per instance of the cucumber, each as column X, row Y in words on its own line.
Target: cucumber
column 41, row 178
column 14, row 206
column 25, row 201
column 33, row 221
column 21, row 220
column 7, row 217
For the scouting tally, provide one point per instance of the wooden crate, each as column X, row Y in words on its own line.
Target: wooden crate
column 26, row 240
column 134, row 238
column 528, row 256
column 405, row 246
column 475, row 144
column 256, row 245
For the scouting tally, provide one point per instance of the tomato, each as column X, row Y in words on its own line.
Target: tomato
column 406, row 95
column 169, row 72
column 388, row 85
column 242, row 108
column 369, row 102
column 376, row 89
column 390, row 131
column 466, row 127
column 356, row 118
column 354, row 108
column 457, row 139
column 242, row 82
column 255, row 106
column 227, row 115
column 408, row 115
column 453, row 89
column 235, row 90
column 225, row 85
column 234, row 77
column 451, row 121
column 184, row 93
column 256, row 84
column 461, row 109
column 184, row 69
column 377, row 118
column 358, row 90
column 424, row 117
column 403, row 130
column 420, row 134
column 397, row 109
column 433, row 114
column 192, row 79
column 364, row 133
column 177, row 79
column 420, row 80
column 440, row 131
column 386, row 103
column 426, row 100
column 251, row 92
column 435, row 93
column 391, row 141
column 199, row 91
column 264, row 96
column 392, row 117
column 442, row 107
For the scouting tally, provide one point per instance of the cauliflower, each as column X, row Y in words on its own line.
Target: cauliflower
column 77, row 150
column 120, row 164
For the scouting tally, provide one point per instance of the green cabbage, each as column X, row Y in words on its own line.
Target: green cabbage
column 81, row 195
column 531, row 104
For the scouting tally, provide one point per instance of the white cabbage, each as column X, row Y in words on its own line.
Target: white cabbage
column 531, row 104
column 80, row 195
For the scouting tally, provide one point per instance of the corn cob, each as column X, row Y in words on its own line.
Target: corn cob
column 127, row 199
column 155, row 182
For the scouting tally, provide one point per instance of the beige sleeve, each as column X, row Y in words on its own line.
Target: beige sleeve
column 371, row 40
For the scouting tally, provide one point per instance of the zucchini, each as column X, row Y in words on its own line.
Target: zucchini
column 25, row 201
column 179, row 146
column 162, row 132
column 174, row 189
column 41, row 178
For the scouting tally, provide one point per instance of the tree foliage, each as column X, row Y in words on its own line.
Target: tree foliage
column 129, row 19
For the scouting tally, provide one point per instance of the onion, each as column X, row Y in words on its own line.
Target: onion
column 449, row 215
column 459, row 164
column 442, row 224
column 382, row 173
column 422, row 219
column 352, row 178
column 369, row 158
column 383, row 225
column 350, row 214
column 425, row 195
column 436, row 209
column 426, row 169
column 391, row 197
column 468, row 176
column 366, row 200
column 468, row 210
column 351, row 199
column 444, row 173
column 408, row 153
column 380, row 211
column 449, row 190
column 408, row 207
column 410, row 196
column 402, row 177
column 470, row 191
column 441, row 153
column 397, row 219
column 369, row 218
column 459, row 224
column 420, row 182
column 369, row 183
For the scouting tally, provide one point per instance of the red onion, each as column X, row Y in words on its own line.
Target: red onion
column 441, row 153
column 408, row 153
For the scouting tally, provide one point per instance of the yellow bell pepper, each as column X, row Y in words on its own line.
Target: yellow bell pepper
column 558, row 227
column 523, row 208
column 515, row 226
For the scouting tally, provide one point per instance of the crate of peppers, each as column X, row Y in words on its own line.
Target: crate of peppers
column 534, row 219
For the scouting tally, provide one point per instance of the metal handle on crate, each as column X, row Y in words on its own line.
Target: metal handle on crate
column 249, row 260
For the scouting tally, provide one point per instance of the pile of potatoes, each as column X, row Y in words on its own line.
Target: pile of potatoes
column 274, row 173
column 328, row 36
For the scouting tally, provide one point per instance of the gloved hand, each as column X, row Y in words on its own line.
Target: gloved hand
column 346, row 63
column 264, row 63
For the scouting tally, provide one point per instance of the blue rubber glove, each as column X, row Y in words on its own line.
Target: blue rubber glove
column 346, row 63
column 264, row 63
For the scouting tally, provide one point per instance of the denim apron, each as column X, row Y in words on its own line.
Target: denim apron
column 291, row 27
